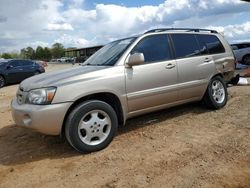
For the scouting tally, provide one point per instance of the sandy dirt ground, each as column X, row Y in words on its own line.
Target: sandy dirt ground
column 185, row 146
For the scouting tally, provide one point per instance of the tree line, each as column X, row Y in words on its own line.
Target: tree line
column 40, row 53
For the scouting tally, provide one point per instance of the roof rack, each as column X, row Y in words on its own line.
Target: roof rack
column 180, row 29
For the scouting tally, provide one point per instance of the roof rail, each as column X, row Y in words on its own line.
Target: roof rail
column 180, row 29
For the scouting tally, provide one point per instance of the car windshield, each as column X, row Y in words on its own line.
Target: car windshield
column 3, row 61
column 109, row 54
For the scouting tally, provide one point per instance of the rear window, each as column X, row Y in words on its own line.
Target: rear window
column 212, row 43
column 242, row 46
column 186, row 45
column 26, row 62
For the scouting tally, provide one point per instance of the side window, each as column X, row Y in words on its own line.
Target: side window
column 26, row 63
column 155, row 48
column 213, row 43
column 234, row 47
column 242, row 46
column 15, row 63
column 186, row 45
column 239, row 46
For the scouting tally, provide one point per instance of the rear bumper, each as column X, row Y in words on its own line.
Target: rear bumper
column 47, row 119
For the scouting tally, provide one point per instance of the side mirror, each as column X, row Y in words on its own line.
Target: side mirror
column 9, row 67
column 234, row 47
column 135, row 59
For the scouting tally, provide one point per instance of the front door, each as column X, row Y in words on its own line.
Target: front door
column 14, row 71
column 152, row 85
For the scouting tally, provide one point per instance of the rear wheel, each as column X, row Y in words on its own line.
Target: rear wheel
column 216, row 94
column 36, row 73
column 2, row 81
column 246, row 60
column 91, row 126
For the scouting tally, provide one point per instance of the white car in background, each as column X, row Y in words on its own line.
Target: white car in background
column 62, row 59
column 242, row 52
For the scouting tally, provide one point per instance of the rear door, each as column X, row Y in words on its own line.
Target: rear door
column 195, row 65
column 153, row 84
column 29, row 68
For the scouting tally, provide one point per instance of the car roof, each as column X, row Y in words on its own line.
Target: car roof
column 185, row 30
column 4, row 60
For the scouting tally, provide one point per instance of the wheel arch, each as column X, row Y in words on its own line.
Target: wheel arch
column 211, row 77
column 107, row 97
column 3, row 77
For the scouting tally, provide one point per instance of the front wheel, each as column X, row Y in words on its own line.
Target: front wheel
column 91, row 126
column 216, row 93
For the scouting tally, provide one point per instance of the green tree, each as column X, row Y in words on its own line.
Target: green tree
column 23, row 53
column 57, row 50
column 27, row 53
column 30, row 53
column 6, row 56
column 39, row 53
column 15, row 55
column 47, row 54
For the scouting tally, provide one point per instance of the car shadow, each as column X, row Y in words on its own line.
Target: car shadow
column 163, row 115
column 20, row 145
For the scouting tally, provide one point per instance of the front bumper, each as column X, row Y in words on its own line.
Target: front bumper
column 47, row 119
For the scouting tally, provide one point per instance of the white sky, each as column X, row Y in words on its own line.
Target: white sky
column 77, row 24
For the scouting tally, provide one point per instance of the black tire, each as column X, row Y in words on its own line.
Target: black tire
column 246, row 60
column 210, row 100
column 2, row 81
column 72, row 133
column 36, row 73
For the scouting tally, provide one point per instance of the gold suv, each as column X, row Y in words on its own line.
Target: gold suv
column 129, row 77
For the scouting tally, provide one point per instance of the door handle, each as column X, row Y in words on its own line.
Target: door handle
column 170, row 66
column 207, row 60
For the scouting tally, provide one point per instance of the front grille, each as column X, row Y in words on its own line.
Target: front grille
column 20, row 88
column 21, row 96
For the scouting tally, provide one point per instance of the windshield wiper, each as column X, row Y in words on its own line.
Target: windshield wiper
column 89, row 64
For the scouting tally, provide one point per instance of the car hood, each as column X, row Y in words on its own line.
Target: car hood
column 61, row 77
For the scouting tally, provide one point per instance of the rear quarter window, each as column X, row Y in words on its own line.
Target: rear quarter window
column 212, row 43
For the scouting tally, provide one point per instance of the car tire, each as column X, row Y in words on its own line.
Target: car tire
column 91, row 126
column 216, row 93
column 36, row 73
column 2, row 81
column 246, row 60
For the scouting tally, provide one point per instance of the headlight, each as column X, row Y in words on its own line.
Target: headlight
column 41, row 96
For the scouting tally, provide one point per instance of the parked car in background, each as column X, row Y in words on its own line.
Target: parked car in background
column 64, row 60
column 242, row 52
column 16, row 70
column 42, row 63
column 126, row 78
column 81, row 59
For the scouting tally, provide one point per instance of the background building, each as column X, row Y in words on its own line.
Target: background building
column 81, row 52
